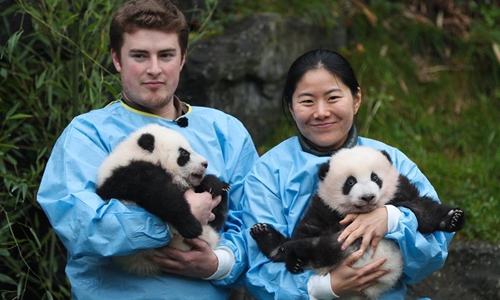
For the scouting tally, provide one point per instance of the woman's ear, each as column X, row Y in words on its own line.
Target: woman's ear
column 116, row 60
column 290, row 109
column 357, row 101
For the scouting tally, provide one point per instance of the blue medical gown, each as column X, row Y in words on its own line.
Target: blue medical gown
column 278, row 191
column 93, row 230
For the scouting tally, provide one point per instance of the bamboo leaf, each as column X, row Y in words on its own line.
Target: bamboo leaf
column 40, row 80
column 7, row 279
column 12, row 43
column 19, row 116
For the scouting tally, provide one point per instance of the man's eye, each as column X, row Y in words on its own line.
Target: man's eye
column 138, row 56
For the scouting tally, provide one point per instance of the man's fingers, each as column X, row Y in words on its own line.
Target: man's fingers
column 216, row 201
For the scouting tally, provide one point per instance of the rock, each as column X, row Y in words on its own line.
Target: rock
column 472, row 271
column 242, row 72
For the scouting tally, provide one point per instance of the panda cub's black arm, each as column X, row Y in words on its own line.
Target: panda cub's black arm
column 148, row 185
column 216, row 187
column 431, row 215
column 318, row 220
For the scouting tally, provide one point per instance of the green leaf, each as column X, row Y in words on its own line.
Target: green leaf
column 6, row 279
column 40, row 80
column 12, row 43
column 19, row 116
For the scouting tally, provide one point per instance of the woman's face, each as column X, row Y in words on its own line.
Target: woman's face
column 323, row 108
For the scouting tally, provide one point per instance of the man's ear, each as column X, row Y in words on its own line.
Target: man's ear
column 116, row 60
column 183, row 59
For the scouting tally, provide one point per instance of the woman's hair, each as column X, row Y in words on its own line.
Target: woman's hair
column 331, row 61
column 147, row 14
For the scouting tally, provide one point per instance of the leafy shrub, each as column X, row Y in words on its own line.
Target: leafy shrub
column 53, row 65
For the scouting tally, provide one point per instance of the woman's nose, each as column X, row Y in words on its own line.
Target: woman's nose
column 322, row 110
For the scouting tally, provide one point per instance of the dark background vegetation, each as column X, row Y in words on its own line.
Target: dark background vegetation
column 429, row 70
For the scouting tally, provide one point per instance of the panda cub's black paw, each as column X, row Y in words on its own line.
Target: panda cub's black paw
column 453, row 221
column 262, row 231
column 213, row 185
column 269, row 241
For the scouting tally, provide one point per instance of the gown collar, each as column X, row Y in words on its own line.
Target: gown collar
column 352, row 140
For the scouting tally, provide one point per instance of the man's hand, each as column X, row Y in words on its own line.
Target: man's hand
column 199, row 262
column 201, row 205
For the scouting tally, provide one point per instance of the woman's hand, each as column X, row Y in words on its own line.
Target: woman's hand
column 201, row 205
column 199, row 262
column 345, row 279
column 372, row 227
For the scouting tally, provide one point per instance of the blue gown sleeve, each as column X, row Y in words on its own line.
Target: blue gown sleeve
column 423, row 254
column 87, row 225
column 242, row 155
column 261, row 203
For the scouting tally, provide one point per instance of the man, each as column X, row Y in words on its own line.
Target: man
column 148, row 45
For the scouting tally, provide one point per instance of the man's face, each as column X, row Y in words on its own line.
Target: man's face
column 150, row 64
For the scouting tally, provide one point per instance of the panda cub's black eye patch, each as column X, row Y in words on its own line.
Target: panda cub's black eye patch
column 376, row 179
column 348, row 184
column 184, row 157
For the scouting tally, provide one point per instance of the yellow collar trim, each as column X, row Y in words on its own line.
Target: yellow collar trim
column 184, row 104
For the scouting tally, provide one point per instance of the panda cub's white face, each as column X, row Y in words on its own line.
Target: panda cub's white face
column 158, row 145
column 358, row 180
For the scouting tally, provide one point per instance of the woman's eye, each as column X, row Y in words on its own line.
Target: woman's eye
column 307, row 101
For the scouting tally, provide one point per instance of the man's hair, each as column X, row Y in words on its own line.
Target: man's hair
column 147, row 14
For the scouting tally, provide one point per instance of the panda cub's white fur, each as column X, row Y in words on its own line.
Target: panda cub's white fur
column 181, row 168
column 359, row 163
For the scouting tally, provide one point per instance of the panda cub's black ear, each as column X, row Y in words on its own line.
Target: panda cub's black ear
column 323, row 170
column 386, row 155
column 147, row 142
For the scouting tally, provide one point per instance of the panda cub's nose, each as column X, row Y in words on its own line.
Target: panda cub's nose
column 368, row 197
column 205, row 165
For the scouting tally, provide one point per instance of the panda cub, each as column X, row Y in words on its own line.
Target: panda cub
column 152, row 168
column 355, row 180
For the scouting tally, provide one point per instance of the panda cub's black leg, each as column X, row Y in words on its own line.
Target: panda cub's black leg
column 296, row 256
column 322, row 252
column 269, row 241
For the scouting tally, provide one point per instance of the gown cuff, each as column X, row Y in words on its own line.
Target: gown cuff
column 393, row 215
column 226, row 263
column 319, row 287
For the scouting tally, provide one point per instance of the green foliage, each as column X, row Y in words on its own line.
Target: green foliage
column 53, row 65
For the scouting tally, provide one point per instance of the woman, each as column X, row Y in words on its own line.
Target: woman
column 323, row 97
